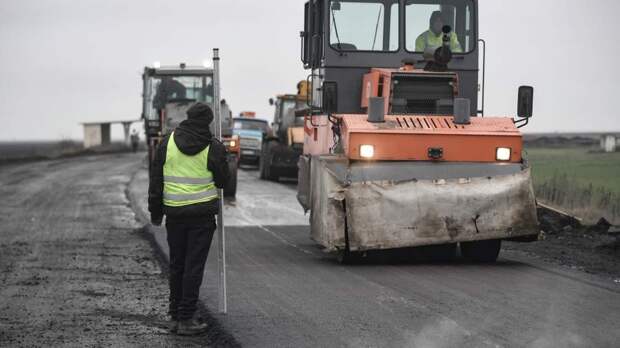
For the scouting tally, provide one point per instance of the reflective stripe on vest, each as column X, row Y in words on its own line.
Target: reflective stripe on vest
column 187, row 180
column 190, row 196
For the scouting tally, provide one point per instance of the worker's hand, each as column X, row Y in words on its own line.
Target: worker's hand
column 156, row 220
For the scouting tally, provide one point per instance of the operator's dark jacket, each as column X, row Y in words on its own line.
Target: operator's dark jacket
column 192, row 136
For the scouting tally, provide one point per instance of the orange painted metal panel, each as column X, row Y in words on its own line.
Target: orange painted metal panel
column 370, row 87
column 318, row 137
column 408, row 138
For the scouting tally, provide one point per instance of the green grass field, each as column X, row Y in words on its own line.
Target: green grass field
column 581, row 167
column 584, row 182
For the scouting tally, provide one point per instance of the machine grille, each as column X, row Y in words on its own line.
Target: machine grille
column 421, row 122
column 250, row 143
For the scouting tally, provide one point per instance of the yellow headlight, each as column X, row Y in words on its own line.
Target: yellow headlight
column 233, row 143
column 503, row 154
column 367, row 151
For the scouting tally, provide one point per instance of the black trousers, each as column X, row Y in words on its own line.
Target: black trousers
column 189, row 243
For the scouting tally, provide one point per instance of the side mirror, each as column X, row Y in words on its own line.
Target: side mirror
column 271, row 101
column 330, row 97
column 525, row 104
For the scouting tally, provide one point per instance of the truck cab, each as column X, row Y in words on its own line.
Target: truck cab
column 343, row 40
column 250, row 131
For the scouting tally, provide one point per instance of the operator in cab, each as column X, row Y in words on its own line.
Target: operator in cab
column 168, row 89
column 189, row 167
column 433, row 37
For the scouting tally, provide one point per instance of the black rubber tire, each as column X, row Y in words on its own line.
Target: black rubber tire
column 231, row 188
column 484, row 251
column 265, row 167
column 261, row 162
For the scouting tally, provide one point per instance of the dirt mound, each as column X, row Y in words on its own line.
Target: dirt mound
column 590, row 248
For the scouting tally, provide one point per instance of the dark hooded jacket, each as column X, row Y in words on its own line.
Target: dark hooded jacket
column 192, row 136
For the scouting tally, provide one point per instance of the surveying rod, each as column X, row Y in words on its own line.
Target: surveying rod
column 221, row 236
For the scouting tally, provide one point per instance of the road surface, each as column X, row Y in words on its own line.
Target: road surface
column 75, row 270
column 75, row 267
column 285, row 292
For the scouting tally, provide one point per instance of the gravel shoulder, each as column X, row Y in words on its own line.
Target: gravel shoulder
column 76, row 268
column 593, row 249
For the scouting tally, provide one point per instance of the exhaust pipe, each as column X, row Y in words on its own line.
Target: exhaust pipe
column 376, row 109
column 462, row 111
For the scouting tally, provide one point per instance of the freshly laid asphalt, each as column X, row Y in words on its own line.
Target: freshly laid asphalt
column 283, row 291
column 75, row 270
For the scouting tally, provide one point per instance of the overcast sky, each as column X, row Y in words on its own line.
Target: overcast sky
column 63, row 62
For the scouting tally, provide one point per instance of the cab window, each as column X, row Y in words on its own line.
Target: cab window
column 425, row 19
column 364, row 26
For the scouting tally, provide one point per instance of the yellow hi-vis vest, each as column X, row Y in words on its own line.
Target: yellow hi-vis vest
column 428, row 39
column 187, row 180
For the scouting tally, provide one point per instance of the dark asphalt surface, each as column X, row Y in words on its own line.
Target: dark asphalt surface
column 76, row 268
column 285, row 292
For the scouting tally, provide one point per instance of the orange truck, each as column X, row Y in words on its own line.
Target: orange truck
column 397, row 153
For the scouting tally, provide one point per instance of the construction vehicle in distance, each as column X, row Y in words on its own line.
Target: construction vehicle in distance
column 281, row 150
column 394, row 153
column 168, row 92
column 250, row 131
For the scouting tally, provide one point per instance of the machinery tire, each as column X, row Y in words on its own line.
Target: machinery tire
column 231, row 188
column 484, row 251
column 266, row 170
column 262, row 164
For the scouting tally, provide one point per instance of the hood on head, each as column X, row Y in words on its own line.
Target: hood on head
column 200, row 111
column 192, row 136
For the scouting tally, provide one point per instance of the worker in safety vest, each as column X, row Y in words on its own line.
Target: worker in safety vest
column 433, row 37
column 188, row 168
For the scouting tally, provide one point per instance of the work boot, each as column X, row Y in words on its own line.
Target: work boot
column 191, row 327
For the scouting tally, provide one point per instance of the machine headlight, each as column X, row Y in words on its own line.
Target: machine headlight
column 233, row 143
column 503, row 154
column 367, row 151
